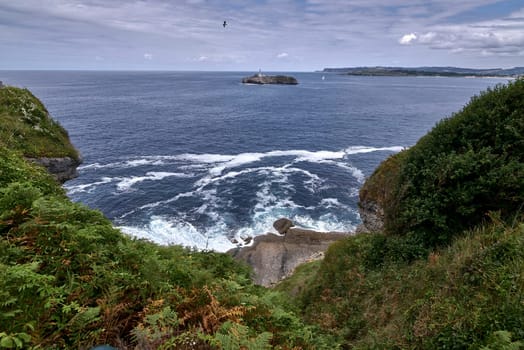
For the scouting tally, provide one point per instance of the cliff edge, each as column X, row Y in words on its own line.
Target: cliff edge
column 27, row 127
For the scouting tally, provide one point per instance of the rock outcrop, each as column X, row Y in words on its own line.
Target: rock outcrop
column 372, row 216
column 270, row 79
column 274, row 257
column 63, row 169
column 283, row 225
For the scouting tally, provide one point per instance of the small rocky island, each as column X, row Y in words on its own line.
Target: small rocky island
column 270, row 79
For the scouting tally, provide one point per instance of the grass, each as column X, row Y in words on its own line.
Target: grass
column 25, row 125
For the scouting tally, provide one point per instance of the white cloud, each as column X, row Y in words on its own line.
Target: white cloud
column 282, row 55
column 202, row 58
column 408, row 38
column 497, row 37
column 148, row 56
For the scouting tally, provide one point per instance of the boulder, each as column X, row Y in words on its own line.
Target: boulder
column 282, row 225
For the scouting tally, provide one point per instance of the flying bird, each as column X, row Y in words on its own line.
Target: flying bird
column 224, row 24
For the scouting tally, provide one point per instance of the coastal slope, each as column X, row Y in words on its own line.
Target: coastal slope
column 441, row 265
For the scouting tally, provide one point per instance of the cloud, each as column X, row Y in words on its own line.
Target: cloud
column 320, row 33
column 502, row 37
column 408, row 38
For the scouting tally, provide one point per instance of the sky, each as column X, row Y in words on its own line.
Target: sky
column 271, row 35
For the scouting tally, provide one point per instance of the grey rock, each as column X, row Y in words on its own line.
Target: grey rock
column 372, row 216
column 282, row 225
column 62, row 169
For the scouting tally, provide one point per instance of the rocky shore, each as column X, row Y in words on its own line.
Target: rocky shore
column 274, row 257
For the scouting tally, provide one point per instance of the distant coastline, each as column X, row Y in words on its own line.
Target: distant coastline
column 428, row 71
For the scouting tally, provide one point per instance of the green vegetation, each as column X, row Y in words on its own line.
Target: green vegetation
column 467, row 166
column 25, row 125
column 448, row 273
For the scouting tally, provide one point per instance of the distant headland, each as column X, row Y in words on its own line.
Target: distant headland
column 260, row 78
column 428, row 71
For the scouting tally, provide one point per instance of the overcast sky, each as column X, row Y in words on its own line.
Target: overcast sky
column 272, row 35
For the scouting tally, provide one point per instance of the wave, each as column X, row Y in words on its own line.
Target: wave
column 222, row 162
column 126, row 183
column 174, row 232
column 71, row 189
column 123, row 183
column 232, row 198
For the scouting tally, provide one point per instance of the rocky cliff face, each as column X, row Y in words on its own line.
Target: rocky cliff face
column 62, row 169
column 377, row 194
column 270, row 79
column 274, row 257
column 372, row 216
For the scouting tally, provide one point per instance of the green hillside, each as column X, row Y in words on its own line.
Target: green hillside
column 448, row 270
column 25, row 125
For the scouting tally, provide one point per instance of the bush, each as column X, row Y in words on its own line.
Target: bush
column 468, row 165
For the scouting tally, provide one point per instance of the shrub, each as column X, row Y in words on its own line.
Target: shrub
column 468, row 165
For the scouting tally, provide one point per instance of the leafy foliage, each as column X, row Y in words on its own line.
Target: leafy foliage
column 468, row 165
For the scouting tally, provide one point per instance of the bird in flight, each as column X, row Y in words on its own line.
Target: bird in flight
column 224, row 24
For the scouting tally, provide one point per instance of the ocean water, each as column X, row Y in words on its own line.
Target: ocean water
column 199, row 159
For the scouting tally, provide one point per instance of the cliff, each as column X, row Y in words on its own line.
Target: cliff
column 27, row 127
column 270, row 79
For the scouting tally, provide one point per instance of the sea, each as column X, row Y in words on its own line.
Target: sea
column 201, row 160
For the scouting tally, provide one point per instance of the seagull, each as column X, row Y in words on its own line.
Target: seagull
column 224, row 24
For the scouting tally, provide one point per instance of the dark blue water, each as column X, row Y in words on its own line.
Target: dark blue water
column 199, row 159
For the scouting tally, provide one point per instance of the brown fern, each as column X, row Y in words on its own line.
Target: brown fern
column 212, row 314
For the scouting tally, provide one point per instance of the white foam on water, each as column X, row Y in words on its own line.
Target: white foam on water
column 175, row 232
column 89, row 187
column 331, row 203
column 273, row 198
column 325, row 223
column 364, row 149
column 126, row 183
column 132, row 163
